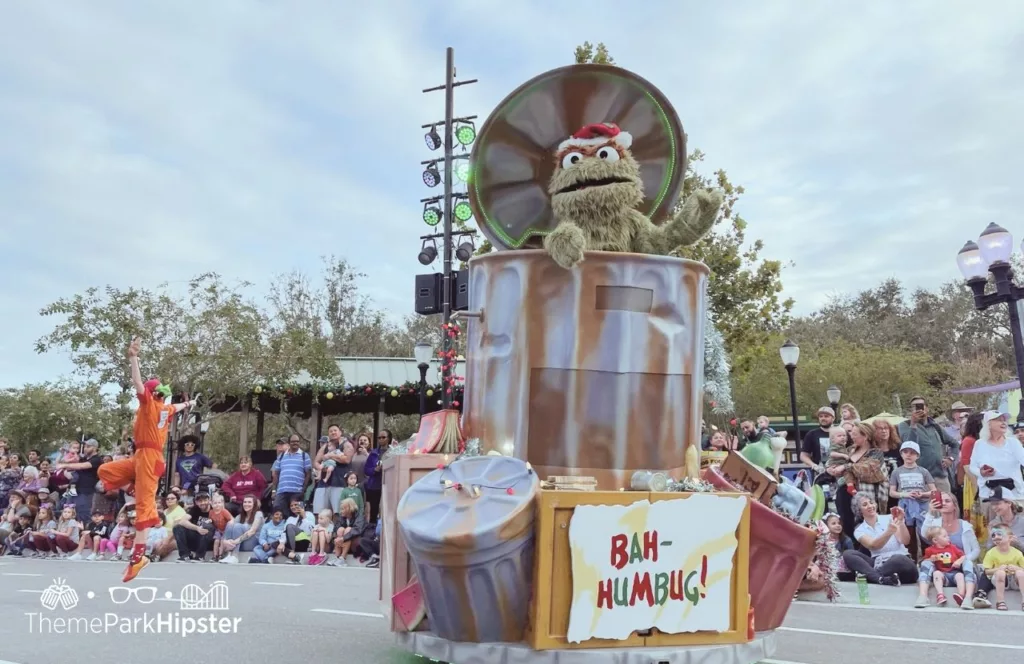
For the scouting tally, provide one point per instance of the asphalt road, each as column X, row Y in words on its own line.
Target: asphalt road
column 303, row 614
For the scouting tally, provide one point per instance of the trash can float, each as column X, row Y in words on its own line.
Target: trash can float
column 588, row 371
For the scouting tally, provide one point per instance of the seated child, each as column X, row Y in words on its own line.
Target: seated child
column 21, row 531
column 271, row 541
column 1004, row 564
column 123, row 535
column 321, row 537
column 948, row 560
column 156, row 535
column 95, row 533
column 842, row 543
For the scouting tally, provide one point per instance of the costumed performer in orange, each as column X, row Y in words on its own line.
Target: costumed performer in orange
column 146, row 466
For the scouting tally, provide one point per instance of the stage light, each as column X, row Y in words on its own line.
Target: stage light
column 462, row 211
column 431, row 176
column 465, row 251
column 432, row 139
column 462, row 170
column 431, row 214
column 465, row 133
column 428, row 254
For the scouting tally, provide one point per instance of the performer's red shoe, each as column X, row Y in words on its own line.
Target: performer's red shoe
column 136, row 563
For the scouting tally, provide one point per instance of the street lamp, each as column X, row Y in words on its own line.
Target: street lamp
column 834, row 394
column 790, row 353
column 991, row 253
column 423, row 351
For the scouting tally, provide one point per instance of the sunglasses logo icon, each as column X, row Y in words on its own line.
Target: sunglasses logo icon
column 142, row 594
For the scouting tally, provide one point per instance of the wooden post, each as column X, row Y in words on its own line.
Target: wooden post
column 376, row 419
column 318, row 422
column 259, row 429
column 243, row 430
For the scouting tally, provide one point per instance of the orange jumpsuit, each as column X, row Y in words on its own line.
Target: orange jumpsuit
column 146, row 466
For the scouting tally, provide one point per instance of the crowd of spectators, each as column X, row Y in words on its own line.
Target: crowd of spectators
column 313, row 509
column 897, row 491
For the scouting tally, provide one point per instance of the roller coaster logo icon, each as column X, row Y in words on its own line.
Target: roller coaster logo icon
column 194, row 598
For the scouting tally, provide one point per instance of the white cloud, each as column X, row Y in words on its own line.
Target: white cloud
column 143, row 142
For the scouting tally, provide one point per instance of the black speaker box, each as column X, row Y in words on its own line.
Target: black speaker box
column 429, row 288
column 460, row 290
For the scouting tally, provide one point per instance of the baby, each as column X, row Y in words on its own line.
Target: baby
column 328, row 465
column 949, row 561
column 839, row 454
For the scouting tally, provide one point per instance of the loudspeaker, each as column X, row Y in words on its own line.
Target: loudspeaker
column 460, row 290
column 429, row 289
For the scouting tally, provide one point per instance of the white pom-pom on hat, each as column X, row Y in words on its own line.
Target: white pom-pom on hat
column 598, row 134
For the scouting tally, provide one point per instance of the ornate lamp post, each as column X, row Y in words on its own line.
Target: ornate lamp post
column 790, row 353
column 423, row 351
column 991, row 254
column 834, row 394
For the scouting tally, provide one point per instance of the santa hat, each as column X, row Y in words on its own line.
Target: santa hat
column 597, row 134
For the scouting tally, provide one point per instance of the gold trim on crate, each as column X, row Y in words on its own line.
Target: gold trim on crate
column 552, row 581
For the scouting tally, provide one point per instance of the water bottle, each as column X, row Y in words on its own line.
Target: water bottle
column 862, row 589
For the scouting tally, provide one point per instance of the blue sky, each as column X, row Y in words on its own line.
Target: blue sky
column 143, row 142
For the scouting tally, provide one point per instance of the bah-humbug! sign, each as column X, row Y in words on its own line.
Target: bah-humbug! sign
column 665, row 565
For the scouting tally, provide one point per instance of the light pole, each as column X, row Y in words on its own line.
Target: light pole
column 790, row 353
column 423, row 351
column 991, row 253
column 834, row 394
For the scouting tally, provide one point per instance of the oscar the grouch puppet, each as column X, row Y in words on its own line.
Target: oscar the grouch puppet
column 595, row 190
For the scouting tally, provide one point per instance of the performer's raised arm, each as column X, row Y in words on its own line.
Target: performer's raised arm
column 133, row 361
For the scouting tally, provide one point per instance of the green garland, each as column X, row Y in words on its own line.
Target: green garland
column 349, row 392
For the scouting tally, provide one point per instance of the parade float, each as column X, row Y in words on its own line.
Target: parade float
column 582, row 527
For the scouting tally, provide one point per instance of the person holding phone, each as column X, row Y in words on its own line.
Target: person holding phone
column 997, row 459
column 938, row 449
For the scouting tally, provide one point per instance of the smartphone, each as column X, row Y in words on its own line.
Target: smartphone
column 918, row 406
column 937, row 497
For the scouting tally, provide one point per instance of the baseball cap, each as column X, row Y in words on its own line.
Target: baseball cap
column 323, row 440
column 911, row 445
column 827, row 410
column 1017, row 426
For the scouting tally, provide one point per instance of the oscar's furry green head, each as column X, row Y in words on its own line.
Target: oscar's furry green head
column 595, row 175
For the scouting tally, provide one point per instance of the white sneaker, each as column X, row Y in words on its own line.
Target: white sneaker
column 229, row 560
column 92, row 556
column 75, row 556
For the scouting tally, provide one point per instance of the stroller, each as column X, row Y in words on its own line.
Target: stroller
column 209, row 482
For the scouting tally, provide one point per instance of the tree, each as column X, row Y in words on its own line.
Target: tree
column 215, row 342
column 869, row 377
column 42, row 415
column 588, row 54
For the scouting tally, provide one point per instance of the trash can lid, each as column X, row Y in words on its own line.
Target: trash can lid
column 473, row 504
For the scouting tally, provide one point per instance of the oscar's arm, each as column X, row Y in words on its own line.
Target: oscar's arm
column 693, row 220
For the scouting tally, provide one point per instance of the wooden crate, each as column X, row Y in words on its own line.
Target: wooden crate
column 396, row 567
column 552, row 582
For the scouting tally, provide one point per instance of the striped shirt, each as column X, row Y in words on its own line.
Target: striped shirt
column 291, row 471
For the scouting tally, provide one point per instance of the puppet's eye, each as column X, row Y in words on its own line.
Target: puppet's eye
column 571, row 159
column 608, row 154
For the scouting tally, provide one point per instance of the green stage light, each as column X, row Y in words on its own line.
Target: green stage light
column 465, row 134
column 432, row 215
column 462, row 211
column 462, row 170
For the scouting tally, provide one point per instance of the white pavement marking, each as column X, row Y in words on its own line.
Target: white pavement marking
column 905, row 639
column 151, row 578
column 19, row 574
column 275, row 583
column 160, row 599
column 359, row 614
column 762, row 661
column 910, row 609
column 34, row 592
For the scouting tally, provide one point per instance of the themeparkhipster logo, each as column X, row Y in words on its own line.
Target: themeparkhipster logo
column 59, row 600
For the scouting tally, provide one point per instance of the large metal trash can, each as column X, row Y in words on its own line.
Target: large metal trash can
column 469, row 528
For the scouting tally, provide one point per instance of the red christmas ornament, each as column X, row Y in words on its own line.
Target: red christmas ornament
column 369, row 389
column 440, row 466
column 509, row 491
column 732, row 422
column 713, row 404
column 455, row 404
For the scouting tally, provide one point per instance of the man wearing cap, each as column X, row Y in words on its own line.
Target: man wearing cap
column 958, row 413
column 146, row 465
column 938, row 449
column 815, row 445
